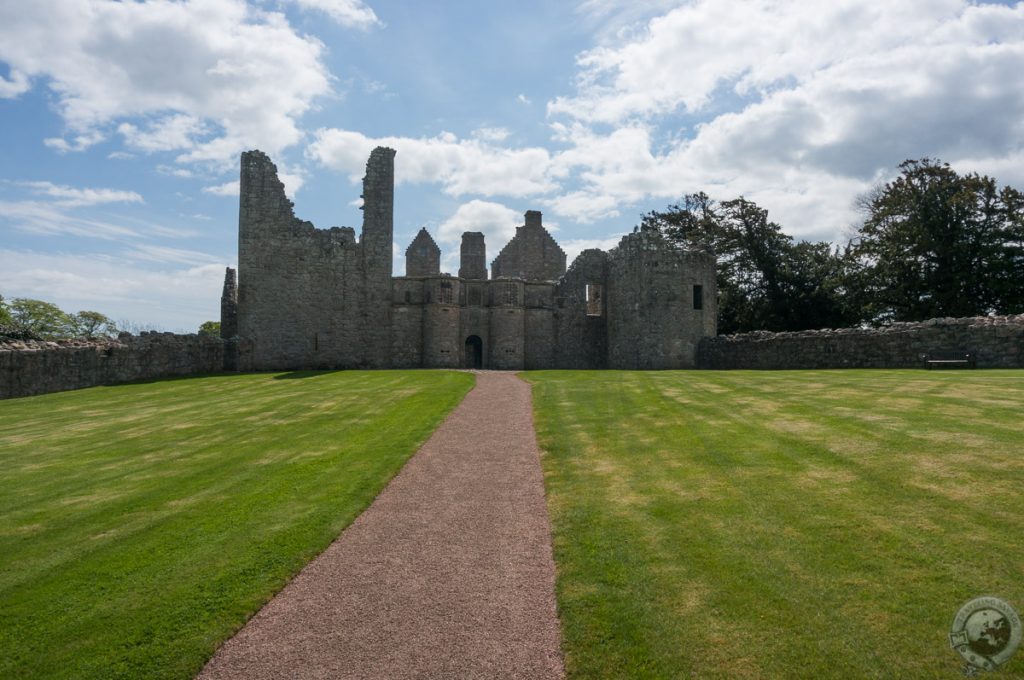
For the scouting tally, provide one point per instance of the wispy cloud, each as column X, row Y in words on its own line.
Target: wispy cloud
column 348, row 13
column 73, row 197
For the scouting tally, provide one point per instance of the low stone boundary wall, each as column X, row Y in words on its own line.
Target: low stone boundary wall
column 37, row 367
column 995, row 342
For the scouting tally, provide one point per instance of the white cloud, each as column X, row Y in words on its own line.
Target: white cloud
column 466, row 166
column 170, row 133
column 172, row 297
column 349, row 13
column 491, row 134
column 212, row 76
column 15, row 84
column 799, row 105
column 72, row 197
column 497, row 222
column 292, row 181
column 228, row 189
column 574, row 247
column 166, row 255
column 38, row 217
column 523, row 99
column 78, row 142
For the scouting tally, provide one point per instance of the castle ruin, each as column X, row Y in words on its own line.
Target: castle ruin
column 310, row 298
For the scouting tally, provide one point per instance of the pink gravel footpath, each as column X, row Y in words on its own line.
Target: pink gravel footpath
column 448, row 574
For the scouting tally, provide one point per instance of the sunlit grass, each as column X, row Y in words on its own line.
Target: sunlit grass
column 140, row 525
column 779, row 524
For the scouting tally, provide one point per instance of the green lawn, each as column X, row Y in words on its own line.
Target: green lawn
column 142, row 524
column 806, row 524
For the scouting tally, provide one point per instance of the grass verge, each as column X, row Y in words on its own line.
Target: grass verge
column 824, row 524
column 142, row 524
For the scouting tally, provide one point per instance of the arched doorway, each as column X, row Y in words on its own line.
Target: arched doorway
column 474, row 352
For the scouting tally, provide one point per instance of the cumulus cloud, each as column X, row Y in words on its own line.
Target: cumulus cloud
column 212, row 77
column 798, row 105
column 462, row 166
column 75, row 197
column 350, row 13
column 573, row 247
column 498, row 223
column 292, row 182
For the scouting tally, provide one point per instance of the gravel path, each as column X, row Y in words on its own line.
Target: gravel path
column 447, row 574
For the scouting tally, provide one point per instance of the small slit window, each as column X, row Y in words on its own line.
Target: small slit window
column 698, row 297
column 594, row 301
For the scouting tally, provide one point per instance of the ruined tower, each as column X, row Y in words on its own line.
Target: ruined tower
column 376, row 243
column 473, row 256
column 319, row 298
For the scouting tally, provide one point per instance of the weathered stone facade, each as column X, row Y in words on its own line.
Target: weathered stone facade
column 993, row 342
column 311, row 298
column 37, row 367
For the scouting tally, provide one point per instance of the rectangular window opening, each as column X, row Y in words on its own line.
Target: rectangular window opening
column 698, row 296
column 594, row 301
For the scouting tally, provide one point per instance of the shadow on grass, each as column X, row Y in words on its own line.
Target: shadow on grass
column 299, row 375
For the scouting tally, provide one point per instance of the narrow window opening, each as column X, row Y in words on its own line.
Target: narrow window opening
column 698, row 297
column 408, row 297
column 594, row 302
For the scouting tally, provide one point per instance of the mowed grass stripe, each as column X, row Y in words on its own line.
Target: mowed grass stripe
column 777, row 524
column 142, row 524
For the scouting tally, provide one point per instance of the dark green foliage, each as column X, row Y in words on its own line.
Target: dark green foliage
column 765, row 280
column 5, row 313
column 88, row 324
column 39, row 318
column 936, row 243
column 211, row 328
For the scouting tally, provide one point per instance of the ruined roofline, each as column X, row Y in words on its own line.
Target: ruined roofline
column 420, row 236
column 533, row 223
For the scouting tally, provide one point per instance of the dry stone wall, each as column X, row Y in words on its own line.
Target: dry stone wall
column 994, row 342
column 37, row 367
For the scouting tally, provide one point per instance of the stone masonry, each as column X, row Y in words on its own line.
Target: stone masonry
column 313, row 298
column 993, row 342
column 37, row 367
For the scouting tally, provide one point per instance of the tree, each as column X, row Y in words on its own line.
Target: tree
column 211, row 328
column 5, row 313
column 88, row 324
column 765, row 281
column 35, row 317
column 936, row 243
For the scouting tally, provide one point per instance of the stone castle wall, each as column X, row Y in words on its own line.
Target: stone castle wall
column 38, row 367
column 307, row 297
column 655, row 320
column 994, row 342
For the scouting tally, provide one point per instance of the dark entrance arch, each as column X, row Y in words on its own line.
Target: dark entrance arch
column 474, row 352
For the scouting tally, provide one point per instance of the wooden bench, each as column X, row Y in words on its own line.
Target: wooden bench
column 949, row 360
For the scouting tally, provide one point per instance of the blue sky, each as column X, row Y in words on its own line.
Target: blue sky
column 122, row 122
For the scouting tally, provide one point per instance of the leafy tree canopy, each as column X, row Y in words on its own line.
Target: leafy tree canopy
column 211, row 328
column 39, row 318
column 88, row 324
